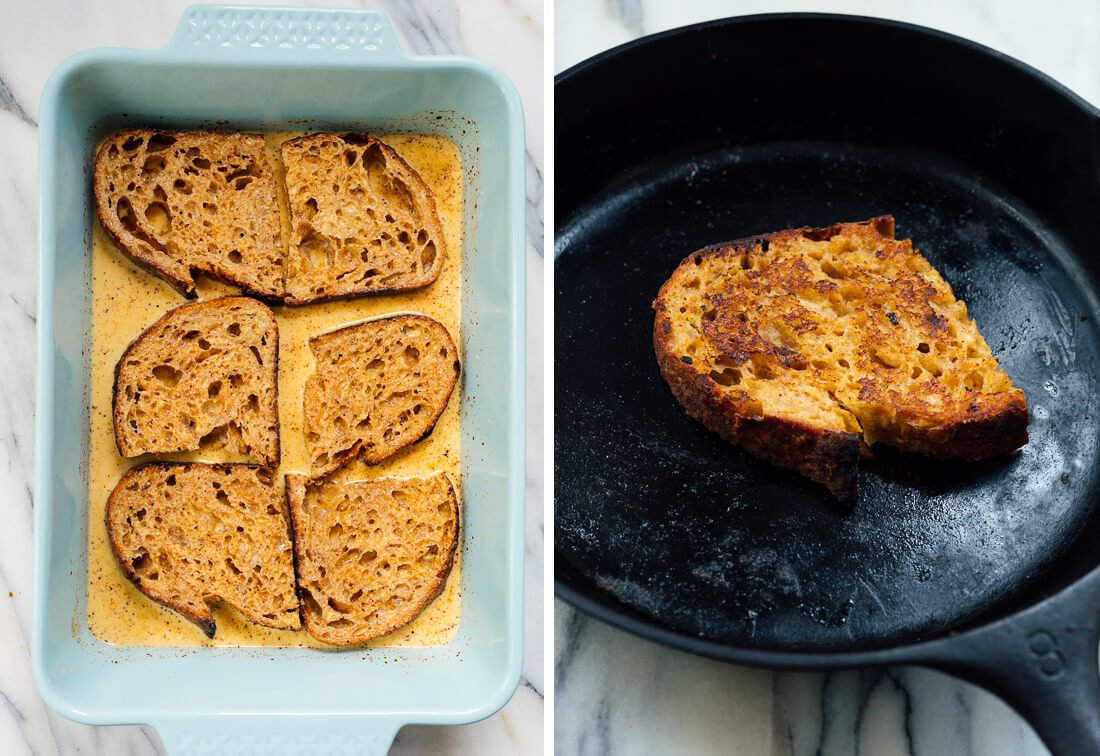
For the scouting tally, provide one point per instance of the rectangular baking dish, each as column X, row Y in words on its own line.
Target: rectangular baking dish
column 258, row 68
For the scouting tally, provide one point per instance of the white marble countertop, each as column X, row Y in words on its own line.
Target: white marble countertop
column 34, row 38
column 617, row 694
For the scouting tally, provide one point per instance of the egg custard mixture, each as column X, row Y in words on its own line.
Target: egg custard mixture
column 127, row 299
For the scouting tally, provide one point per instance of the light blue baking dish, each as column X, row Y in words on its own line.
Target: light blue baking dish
column 283, row 69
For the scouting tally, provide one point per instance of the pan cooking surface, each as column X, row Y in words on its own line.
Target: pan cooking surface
column 686, row 529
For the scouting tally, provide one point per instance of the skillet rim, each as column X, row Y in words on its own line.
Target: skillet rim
column 921, row 650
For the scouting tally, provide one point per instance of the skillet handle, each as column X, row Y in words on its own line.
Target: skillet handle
column 1042, row 662
column 271, row 735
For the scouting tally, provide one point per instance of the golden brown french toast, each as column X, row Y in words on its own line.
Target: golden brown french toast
column 808, row 346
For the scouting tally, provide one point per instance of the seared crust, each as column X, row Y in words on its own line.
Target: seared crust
column 324, row 569
column 128, row 444
column 826, row 457
column 198, row 610
column 904, row 365
column 171, row 254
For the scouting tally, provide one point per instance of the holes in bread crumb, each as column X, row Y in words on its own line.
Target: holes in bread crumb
column 726, row 376
column 923, row 348
column 256, row 354
column 368, row 556
column 266, row 476
column 112, row 152
column 232, row 566
column 350, row 156
column 201, row 163
column 843, row 363
column 140, row 514
column 916, row 373
column 974, row 381
column 133, row 143
column 336, row 531
column 154, row 164
column 159, row 218
column 412, row 356
column 234, row 329
column 204, row 344
column 215, row 436
column 160, row 142
column 427, row 256
column 214, row 389
column 698, row 260
column 170, row 480
column 235, row 256
column 190, row 335
column 167, row 374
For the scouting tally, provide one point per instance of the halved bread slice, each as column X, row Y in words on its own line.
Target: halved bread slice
column 177, row 202
column 379, row 386
column 362, row 220
column 806, row 345
column 191, row 534
column 371, row 554
column 202, row 376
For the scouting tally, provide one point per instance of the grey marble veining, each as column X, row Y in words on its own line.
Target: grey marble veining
column 34, row 39
column 618, row 694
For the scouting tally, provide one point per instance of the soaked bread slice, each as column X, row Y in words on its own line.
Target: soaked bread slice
column 806, row 346
column 203, row 376
column 371, row 554
column 178, row 202
column 379, row 386
column 362, row 220
column 189, row 535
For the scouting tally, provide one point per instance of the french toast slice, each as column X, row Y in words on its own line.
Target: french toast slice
column 362, row 220
column 191, row 534
column 808, row 346
column 371, row 554
column 203, row 376
column 379, row 386
column 177, row 202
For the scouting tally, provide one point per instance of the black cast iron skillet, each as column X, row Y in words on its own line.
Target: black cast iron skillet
column 728, row 129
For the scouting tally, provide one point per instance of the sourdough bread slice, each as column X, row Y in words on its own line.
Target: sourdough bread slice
column 202, row 376
column 806, row 346
column 362, row 220
column 378, row 387
column 191, row 534
column 371, row 554
column 177, row 202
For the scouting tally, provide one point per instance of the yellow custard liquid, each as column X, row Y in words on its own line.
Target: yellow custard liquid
column 126, row 300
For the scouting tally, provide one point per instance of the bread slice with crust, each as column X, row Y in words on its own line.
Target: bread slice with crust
column 202, row 376
column 181, row 202
column 807, row 345
column 378, row 387
column 371, row 554
column 362, row 220
column 191, row 534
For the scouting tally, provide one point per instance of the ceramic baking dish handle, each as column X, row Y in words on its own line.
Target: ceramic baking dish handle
column 257, row 34
column 270, row 736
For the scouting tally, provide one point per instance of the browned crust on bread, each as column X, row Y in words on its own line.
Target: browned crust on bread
column 422, row 187
column 825, row 457
column 296, row 486
column 341, row 458
column 116, row 416
column 206, row 624
column 983, row 426
column 186, row 287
